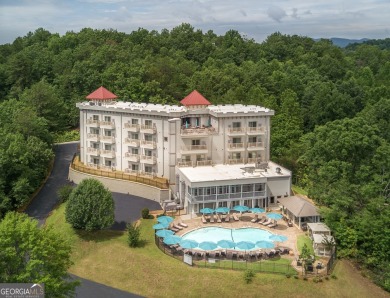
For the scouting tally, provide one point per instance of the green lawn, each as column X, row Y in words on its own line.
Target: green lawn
column 303, row 239
column 104, row 257
column 298, row 190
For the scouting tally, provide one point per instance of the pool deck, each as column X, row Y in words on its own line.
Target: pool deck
column 245, row 222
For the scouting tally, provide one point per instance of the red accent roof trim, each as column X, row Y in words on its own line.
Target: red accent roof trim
column 102, row 94
column 194, row 99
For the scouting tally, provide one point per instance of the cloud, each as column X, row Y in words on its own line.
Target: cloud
column 295, row 13
column 276, row 13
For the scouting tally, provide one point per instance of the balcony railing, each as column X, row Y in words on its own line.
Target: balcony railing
column 93, row 122
column 148, row 144
column 93, row 165
column 255, row 130
column 194, row 148
column 255, row 145
column 186, row 163
column 93, row 136
column 233, row 161
column 225, row 196
column 236, row 145
column 110, row 153
column 132, row 157
column 236, row 130
column 107, row 123
column 107, row 139
column 201, row 163
column 148, row 159
column 92, row 150
column 254, row 160
column 132, row 142
column 200, row 131
column 132, row 172
column 132, row 127
column 107, row 168
column 148, row 129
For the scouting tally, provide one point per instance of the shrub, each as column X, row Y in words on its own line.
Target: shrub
column 333, row 276
column 64, row 192
column 145, row 213
column 90, row 206
column 249, row 275
column 305, row 278
column 288, row 275
column 133, row 234
column 296, row 276
column 327, row 277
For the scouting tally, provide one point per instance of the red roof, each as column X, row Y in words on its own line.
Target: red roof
column 101, row 93
column 195, row 99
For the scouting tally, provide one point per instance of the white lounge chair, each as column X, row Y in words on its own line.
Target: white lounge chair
column 267, row 222
column 227, row 218
column 183, row 225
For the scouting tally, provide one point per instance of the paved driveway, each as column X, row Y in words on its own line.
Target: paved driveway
column 127, row 209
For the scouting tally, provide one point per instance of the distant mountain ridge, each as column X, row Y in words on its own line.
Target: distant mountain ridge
column 343, row 42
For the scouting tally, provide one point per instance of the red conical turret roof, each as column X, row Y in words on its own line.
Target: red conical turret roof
column 101, row 94
column 195, row 99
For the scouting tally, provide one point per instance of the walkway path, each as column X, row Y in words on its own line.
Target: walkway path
column 127, row 209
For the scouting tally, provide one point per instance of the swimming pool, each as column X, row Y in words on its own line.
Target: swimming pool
column 215, row 234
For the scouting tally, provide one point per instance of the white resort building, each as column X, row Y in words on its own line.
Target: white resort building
column 211, row 155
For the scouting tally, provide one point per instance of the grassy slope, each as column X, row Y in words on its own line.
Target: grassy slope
column 105, row 257
column 302, row 239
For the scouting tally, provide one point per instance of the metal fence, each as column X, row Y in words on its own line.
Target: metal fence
column 268, row 265
column 156, row 182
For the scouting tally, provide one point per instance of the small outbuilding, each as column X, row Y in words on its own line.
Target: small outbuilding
column 299, row 211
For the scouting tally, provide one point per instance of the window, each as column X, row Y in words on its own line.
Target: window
column 107, row 118
column 195, row 142
column 148, row 169
column 236, row 155
column 95, row 117
column 107, row 132
column 93, row 130
column 134, row 167
column 236, row 140
column 236, row 124
column 149, row 138
column 95, row 145
column 95, row 161
column 108, row 163
column 252, row 140
column 134, row 121
column 134, row 151
column 148, row 123
column 235, row 188
column 134, row 136
column 222, row 190
column 252, row 123
column 148, row 152
column 247, row 188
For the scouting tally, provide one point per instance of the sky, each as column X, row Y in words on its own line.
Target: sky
column 257, row 19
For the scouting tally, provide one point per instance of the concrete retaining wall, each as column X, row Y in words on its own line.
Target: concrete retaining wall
column 122, row 186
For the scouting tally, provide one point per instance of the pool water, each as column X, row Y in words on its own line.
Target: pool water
column 215, row 234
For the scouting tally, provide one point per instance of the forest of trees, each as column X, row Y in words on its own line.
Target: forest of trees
column 331, row 125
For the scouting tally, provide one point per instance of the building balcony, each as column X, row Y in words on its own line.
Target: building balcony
column 198, row 132
column 93, row 165
column 149, row 129
column 194, row 149
column 107, row 153
column 202, row 163
column 93, row 151
column 132, row 157
column 225, row 197
column 148, row 159
column 148, row 174
column 132, row 142
column 107, row 139
column 110, row 124
column 148, row 144
column 132, row 127
column 233, row 161
column 255, row 130
column 93, row 137
column 254, row 160
column 236, row 147
column 107, row 168
column 93, row 123
column 255, row 146
column 186, row 163
column 235, row 131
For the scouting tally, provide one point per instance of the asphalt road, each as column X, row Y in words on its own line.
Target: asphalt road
column 127, row 209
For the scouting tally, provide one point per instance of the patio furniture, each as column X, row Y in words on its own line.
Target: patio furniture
column 204, row 219
column 176, row 226
column 227, row 218
column 235, row 217
column 183, row 225
column 212, row 218
column 218, row 218
column 273, row 225
column 262, row 220
column 255, row 219
column 174, row 229
column 266, row 223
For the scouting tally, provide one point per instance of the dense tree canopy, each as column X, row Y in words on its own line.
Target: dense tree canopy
column 332, row 106
column 29, row 254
